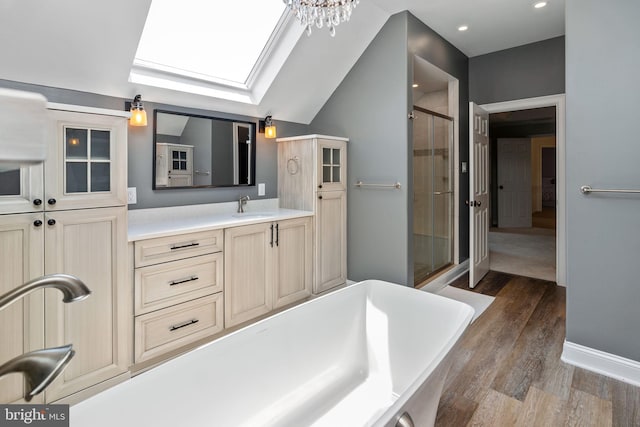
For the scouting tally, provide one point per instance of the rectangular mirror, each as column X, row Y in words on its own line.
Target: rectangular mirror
column 193, row 151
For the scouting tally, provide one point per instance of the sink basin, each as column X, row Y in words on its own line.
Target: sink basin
column 254, row 215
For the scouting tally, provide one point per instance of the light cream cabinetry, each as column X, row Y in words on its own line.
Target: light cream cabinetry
column 86, row 165
column 178, row 292
column 90, row 244
column 21, row 323
column 312, row 175
column 45, row 229
column 267, row 266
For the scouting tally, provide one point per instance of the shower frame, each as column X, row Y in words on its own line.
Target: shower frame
column 451, row 190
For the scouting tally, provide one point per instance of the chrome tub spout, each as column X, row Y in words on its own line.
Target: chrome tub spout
column 40, row 367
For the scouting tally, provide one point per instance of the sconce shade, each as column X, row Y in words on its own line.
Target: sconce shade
column 270, row 132
column 138, row 115
column 269, row 128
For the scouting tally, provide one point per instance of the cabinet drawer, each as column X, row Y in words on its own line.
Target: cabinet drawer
column 163, row 249
column 163, row 285
column 171, row 328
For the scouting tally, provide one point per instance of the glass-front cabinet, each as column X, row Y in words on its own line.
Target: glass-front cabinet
column 331, row 168
column 85, row 162
column 85, row 167
column 21, row 188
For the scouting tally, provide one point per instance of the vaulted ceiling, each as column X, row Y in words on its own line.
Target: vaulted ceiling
column 90, row 46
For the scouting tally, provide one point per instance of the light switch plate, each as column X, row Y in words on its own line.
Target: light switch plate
column 464, row 167
column 132, row 196
column 261, row 190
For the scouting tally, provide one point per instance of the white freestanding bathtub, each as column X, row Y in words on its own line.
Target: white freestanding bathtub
column 361, row 356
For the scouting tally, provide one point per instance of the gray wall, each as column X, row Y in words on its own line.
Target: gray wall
column 535, row 69
column 602, row 150
column 370, row 107
column 197, row 132
column 222, row 155
column 427, row 44
column 140, row 150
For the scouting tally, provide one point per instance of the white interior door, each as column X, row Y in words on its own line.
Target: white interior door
column 478, row 194
column 514, row 182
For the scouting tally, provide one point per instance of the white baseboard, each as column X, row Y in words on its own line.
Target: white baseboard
column 607, row 364
column 447, row 277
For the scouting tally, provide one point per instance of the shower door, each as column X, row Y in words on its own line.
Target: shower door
column 432, row 193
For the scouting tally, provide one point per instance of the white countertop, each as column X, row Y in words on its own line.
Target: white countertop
column 161, row 222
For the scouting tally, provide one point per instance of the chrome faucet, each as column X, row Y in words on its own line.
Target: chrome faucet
column 71, row 287
column 241, row 202
column 41, row 367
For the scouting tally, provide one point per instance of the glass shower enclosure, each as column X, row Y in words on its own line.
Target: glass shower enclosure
column 433, row 194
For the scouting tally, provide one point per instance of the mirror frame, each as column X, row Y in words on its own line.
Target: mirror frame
column 252, row 169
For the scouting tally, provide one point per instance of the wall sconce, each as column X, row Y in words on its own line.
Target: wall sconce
column 138, row 115
column 267, row 127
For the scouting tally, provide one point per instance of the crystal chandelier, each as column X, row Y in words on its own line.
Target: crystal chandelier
column 320, row 13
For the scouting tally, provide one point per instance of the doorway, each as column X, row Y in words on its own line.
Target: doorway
column 523, row 237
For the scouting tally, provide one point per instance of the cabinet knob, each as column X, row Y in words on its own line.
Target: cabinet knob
column 51, row 201
column 37, row 202
column 51, row 221
column 37, row 223
column 319, row 197
column 320, row 186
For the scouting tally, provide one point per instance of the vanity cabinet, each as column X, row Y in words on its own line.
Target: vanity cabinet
column 178, row 284
column 267, row 266
column 69, row 216
column 312, row 175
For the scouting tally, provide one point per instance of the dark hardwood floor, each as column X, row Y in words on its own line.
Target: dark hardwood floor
column 507, row 370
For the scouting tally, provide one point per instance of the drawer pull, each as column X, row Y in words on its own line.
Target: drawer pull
column 177, row 282
column 174, row 247
column 183, row 325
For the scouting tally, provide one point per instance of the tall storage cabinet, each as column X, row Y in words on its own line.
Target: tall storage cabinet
column 69, row 216
column 312, row 175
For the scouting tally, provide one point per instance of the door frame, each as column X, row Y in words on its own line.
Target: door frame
column 557, row 101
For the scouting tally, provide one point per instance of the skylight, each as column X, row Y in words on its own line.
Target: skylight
column 216, row 41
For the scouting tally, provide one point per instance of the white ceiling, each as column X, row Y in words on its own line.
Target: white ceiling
column 90, row 46
column 493, row 24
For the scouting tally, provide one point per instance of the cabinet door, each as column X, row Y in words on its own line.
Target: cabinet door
column 87, row 161
column 332, row 165
column 331, row 240
column 294, row 276
column 21, row 323
column 248, row 264
column 92, row 245
column 21, row 189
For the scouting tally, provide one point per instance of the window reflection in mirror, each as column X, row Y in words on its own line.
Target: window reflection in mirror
column 199, row 151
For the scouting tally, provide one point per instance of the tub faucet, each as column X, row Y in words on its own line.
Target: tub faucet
column 241, row 202
column 72, row 288
column 41, row 367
